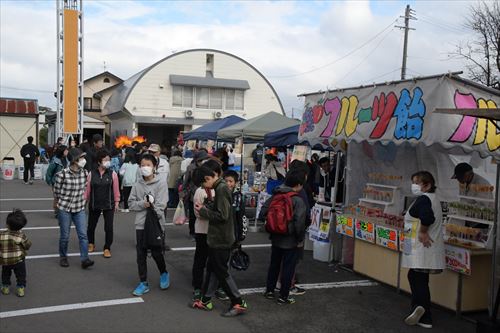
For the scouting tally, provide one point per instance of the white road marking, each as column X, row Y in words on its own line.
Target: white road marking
column 29, row 211
column 327, row 285
column 67, row 307
column 39, row 228
column 27, row 199
column 174, row 249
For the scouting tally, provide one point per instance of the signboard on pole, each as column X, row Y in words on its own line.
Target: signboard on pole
column 70, row 65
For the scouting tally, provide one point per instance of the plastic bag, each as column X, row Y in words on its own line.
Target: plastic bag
column 180, row 214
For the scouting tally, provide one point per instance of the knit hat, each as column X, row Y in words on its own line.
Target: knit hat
column 74, row 154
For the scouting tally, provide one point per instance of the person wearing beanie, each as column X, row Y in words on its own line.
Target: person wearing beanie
column 69, row 192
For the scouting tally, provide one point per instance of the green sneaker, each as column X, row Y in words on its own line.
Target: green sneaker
column 236, row 310
column 20, row 291
column 196, row 295
column 199, row 304
column 5, row 290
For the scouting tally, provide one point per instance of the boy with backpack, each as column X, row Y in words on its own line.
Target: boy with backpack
column 285, row 216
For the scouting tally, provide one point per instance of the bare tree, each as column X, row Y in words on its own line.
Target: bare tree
column 482, row 54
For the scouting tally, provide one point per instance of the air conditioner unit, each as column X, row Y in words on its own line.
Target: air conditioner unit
column 189, row 114
column 218, row 114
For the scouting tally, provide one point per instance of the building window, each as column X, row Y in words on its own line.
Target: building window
column 234, row 99
column 106, row 80
column 202, row 98
column 87, row 103
column 182, row 96
column 216, row 98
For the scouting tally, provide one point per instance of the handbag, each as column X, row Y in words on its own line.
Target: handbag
column 154, row 236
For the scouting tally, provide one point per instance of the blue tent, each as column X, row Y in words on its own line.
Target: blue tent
column 284, row 137
column 209, row 131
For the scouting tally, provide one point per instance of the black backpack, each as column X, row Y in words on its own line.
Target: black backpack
column 154, row 236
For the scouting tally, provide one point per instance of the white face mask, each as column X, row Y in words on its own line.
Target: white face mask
column 106, row 164
column 416, row 189
column 146, row 171
column 81, row 162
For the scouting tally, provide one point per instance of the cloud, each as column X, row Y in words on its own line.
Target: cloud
column 281, row 38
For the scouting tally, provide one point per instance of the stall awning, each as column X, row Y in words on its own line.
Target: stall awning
column 285, row 137
column 405, row 112
column 202, row 81
column 254, row 129
column 209, row 131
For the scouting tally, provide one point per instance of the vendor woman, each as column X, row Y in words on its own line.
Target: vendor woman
column 423, row 247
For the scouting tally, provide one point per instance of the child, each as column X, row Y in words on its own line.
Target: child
column 220, row 239
column 13, row 247
column 284, row 250
column 231, row 178
column 152, row 188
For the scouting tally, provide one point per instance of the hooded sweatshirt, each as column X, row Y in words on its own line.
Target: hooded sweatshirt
column 141, row 188
column 296, row 227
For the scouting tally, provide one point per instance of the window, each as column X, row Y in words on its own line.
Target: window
column 182, row 96
column 216, row 98
column 202, row 97
column 106, row 80
column 87, row 103
column 234, row 99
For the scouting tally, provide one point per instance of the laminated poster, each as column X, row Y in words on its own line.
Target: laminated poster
column 299, row 153
column 457, row 259
column 387, row 237
column 345, row 225
column 365, row 231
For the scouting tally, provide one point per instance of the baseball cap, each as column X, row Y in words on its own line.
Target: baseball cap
column 154, row 148
column 460, row 170
column 74, row 154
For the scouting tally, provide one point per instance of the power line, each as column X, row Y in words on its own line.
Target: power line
column 442, row 26
column 380, row 76
column 338, row 59
column 26, row 89
column 433, row 20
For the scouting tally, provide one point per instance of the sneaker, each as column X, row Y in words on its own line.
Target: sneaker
column 20, row 291
column 91, row 248
column 63, row 262
column 236, row 310
column 297, row 291
column 5, row 290
column 87, row 263
column 415, row 316
column 141, row 289
column 25, row 183
column 200, row 305
column 425, row 322
column 269, row 295
column 164, row 280
column 221, row 295
column 107, row 253
column 196, row 295
column 31, row 182
column 287, row 301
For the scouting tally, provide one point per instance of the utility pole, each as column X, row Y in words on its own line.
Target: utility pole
column 407, row 17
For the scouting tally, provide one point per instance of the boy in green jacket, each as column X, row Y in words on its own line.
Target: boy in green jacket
column 220, row 238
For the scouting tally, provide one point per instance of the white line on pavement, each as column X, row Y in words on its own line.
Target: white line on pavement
column 38, row 228
column 175, row 249
column 27, row 199
column 29, row 211
column 66, row 307
column 327, row 285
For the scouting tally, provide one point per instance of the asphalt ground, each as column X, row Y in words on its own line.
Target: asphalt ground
column 342, row 302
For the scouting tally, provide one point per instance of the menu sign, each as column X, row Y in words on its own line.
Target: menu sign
column 365, row 231
column 345, row 225
column 387, row 237
column 457, row 259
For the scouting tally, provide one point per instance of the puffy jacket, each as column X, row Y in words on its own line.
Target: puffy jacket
column 296, row 227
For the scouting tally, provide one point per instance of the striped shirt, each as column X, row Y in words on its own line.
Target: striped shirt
column 69, row 189
column 13, row 247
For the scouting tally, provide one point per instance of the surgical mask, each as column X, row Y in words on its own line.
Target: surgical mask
column 146, row 171
column 106, row 164
column 416, row 189
column 81, row 162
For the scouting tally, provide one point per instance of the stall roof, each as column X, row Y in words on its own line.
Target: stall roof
column 405, row 112
column 209, row 131
column 254, row 129
column 19, row 107
column 285, row 137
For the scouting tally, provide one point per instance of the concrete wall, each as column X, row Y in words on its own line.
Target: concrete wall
column 149, row 99
column 13, row 133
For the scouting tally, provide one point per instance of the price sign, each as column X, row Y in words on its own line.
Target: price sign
column 365, row 231
column 387, row 237
column 345, row 225
column 457, row 259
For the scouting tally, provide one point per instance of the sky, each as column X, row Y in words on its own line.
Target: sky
column 300, row 46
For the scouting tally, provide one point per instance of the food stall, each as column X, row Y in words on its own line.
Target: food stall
column 392, row 131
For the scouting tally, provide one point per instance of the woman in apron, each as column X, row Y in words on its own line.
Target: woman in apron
column 423, row 247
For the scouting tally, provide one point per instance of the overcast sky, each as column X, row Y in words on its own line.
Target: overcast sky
column 299, row 46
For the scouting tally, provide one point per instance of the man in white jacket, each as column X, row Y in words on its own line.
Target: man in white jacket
column 163, row 169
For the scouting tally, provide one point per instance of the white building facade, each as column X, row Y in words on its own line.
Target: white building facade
column 186, row 90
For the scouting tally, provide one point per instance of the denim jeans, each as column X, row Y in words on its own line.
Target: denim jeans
column 80, row 222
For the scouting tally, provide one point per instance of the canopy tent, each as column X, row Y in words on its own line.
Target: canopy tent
column 254, row 129
column 401, row 126
column 209, row 131
column 285, row 137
